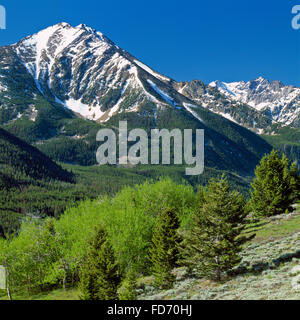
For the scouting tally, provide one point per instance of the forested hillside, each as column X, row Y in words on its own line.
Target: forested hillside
column 26, row 176
column 286, row 140
column 20, row 162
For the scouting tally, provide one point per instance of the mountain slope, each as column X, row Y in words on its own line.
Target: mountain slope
column 18, row 160
column 31, row 184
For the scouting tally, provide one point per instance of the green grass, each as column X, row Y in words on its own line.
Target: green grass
column 268, row 229
column 59, row 294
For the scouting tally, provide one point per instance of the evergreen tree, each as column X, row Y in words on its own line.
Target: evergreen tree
column 99, row 278
column 273, row 189
column 295, row 182
column 213, row 243
column 2, row 234
column 127, row 290
column 164, row 250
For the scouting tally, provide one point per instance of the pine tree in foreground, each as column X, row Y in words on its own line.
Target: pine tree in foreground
column 212, row 245
column 164, row 250
column 127, row 290
column 274, row 187
column 99, row 278
column 295, row 182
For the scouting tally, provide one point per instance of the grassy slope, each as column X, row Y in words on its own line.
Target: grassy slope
column 272, row 229
column 60, row 294
column 266, row 268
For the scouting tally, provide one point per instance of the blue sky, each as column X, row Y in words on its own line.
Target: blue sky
column 190, row 39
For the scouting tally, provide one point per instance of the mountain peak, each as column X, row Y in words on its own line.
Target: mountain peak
column 86, row 28
column 260, row 79
column 69, row 26
column 62, row 30
column 83, row 70
column 62, row 24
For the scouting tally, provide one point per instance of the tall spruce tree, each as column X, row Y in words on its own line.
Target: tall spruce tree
column 274, row 187
column 99, row 276
column 213, row 243
column 127, row 290
column 164, row 250
column 295, row 182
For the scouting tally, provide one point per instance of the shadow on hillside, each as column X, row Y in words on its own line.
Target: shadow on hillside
column 261, row 266
column 258, row 226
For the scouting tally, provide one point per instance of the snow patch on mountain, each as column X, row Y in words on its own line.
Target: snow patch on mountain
column 62, row 36
column 189, row 107
column 154, row 74
column 3, row 87
column 164, row 95
column 227, row 116
column 88, row 112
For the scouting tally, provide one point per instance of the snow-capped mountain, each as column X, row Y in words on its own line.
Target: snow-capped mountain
column 54, row 82
column 83, row 70
column 211, row 98
column 86, row 72
column 279, row 102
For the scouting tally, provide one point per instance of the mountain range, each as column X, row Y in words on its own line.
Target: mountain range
column 254, row 104
column 62, row 84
